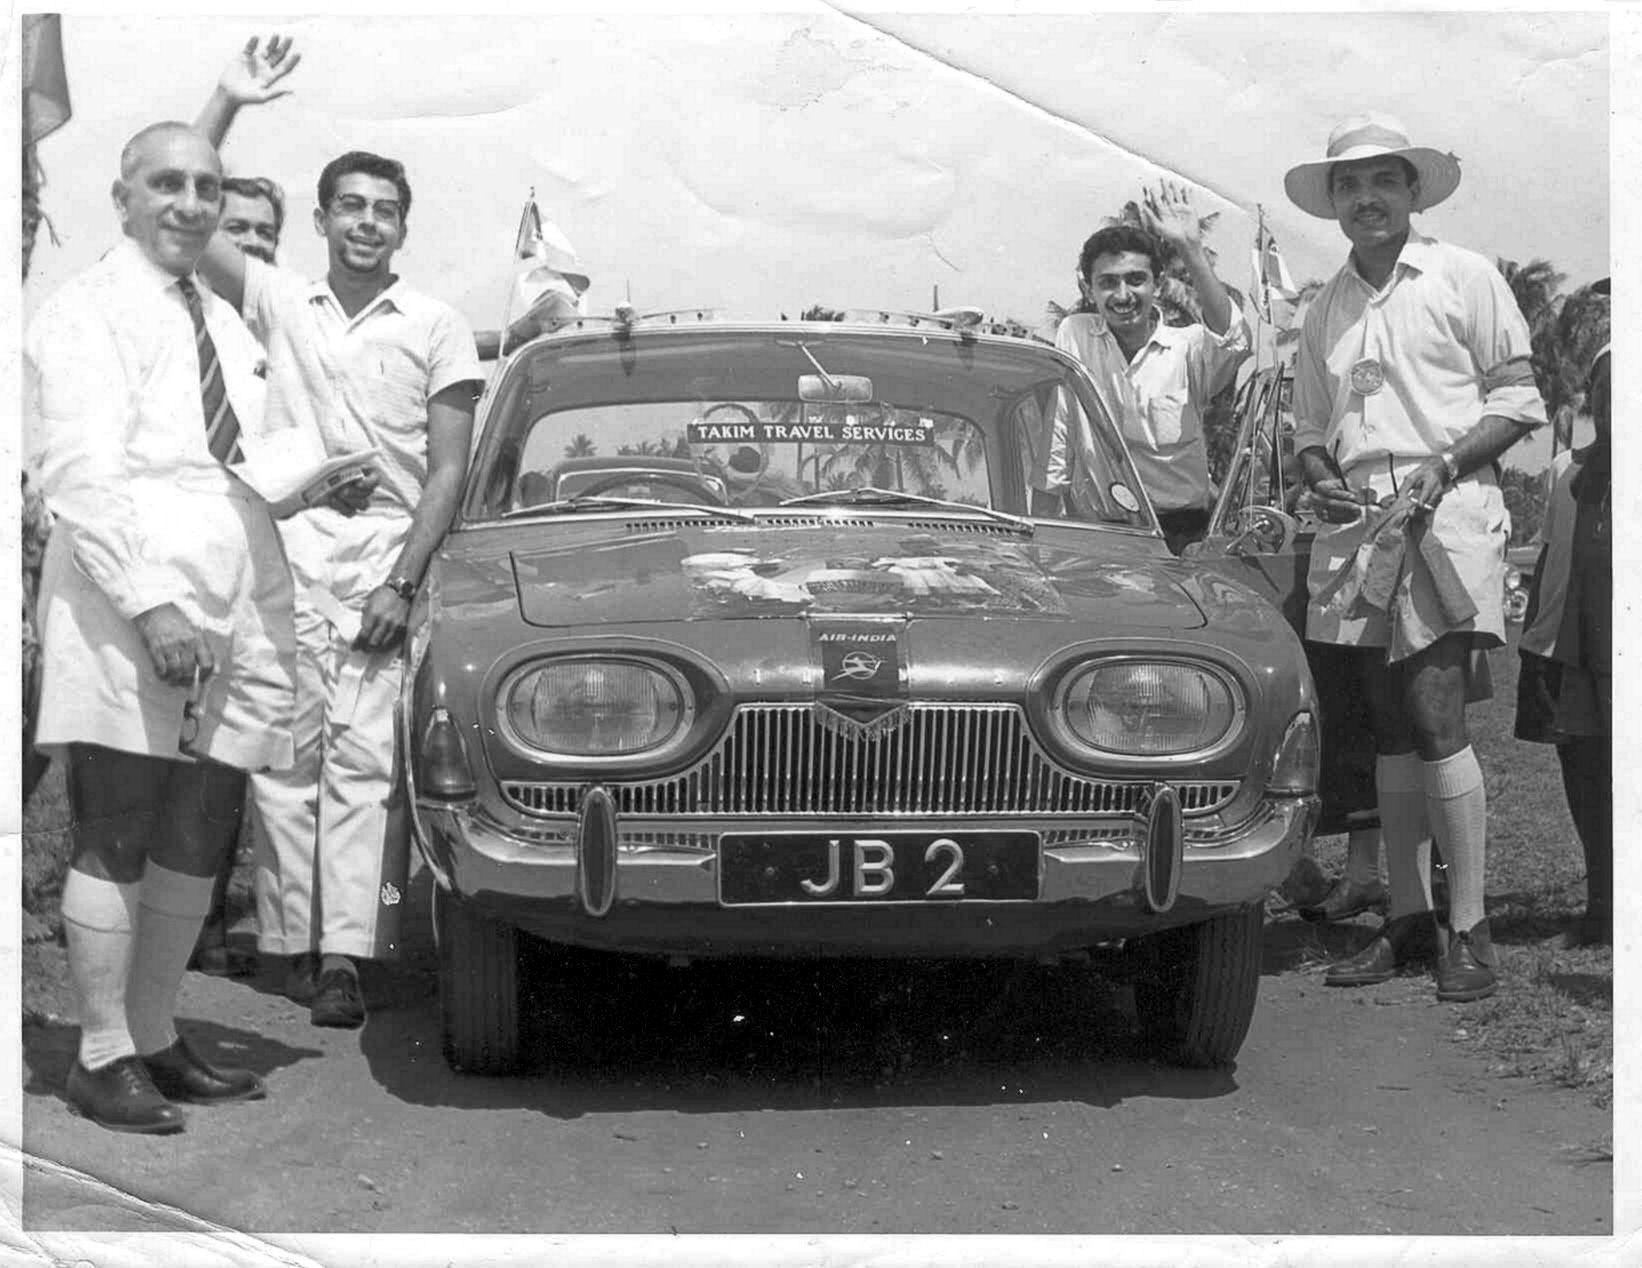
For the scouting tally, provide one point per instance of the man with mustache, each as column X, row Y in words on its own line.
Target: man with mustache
column 1413, row 377
column 1156, row 379
column 356, row 360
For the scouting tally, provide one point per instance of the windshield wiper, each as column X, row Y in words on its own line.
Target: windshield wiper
column 571, row 505
column 874, row 496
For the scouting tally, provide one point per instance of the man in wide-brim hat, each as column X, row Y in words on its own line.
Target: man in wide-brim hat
column 1413, row 377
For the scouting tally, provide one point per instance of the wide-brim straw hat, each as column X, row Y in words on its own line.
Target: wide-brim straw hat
column 1364, row 136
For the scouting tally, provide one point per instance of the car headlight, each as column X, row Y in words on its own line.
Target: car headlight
column 596, row 707
column 1146, row 708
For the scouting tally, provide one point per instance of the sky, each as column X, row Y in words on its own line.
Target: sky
column 761, row 162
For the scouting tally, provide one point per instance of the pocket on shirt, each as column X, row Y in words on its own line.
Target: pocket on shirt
column 400, row 385
column 1166, row 416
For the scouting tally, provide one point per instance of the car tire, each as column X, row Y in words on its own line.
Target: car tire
column 1197, row 986
column 479, row 987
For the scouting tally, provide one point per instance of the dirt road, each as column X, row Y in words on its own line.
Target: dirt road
column 844, row 1099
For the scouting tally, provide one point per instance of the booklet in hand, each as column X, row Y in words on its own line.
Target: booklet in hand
column 291, row 481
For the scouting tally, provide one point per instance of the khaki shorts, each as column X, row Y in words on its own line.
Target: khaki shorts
column 1471, row 524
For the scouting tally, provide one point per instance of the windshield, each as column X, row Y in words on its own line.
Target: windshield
column 732, row 419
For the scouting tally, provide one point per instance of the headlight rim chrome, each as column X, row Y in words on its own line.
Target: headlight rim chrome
column 680, row 738
column 1068, row 737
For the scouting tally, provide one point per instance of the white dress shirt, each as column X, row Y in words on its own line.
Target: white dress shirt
column 1159, row 399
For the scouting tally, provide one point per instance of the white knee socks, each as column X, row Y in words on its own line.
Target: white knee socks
column 98, row 917
column 1401, row 791
column 173, row 908
column 1458, row 806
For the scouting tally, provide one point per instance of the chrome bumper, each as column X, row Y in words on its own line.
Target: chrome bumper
column 480, row 858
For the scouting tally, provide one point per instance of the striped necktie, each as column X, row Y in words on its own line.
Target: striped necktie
column 221, row 427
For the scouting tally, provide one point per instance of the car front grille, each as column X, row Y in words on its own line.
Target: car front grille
column 946, row 760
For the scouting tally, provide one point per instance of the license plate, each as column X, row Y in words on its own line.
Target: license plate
column 890, row 867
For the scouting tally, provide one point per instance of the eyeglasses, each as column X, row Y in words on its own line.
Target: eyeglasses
column 354, row 207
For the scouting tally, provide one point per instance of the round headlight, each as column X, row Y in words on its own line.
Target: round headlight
column 1147, row 708
column 596, row 708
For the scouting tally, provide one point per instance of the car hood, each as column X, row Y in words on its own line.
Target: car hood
column 841, row 567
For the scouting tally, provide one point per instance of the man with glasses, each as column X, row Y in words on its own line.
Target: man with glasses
column 356, row 360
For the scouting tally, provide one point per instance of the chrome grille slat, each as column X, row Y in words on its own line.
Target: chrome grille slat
column 960, row 759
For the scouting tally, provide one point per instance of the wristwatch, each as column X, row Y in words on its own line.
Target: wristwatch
column 404, row 587
column 1450, row 466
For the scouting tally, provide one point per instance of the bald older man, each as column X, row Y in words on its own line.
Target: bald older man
column 168, row 651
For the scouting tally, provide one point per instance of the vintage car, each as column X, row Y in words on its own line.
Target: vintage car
column 869, row 707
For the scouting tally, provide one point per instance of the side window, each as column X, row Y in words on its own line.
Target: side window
column 1029, row 423
column 1103, row 486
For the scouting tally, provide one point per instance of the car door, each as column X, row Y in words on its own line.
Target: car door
column 1259, row 537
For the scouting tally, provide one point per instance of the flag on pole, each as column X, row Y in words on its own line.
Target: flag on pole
column 1271, row 276
column 45, row 79
column 45, row 109
column 549, row 280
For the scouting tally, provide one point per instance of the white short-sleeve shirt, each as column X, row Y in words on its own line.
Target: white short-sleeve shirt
column 358, row 381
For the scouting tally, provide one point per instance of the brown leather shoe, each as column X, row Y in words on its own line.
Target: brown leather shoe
column 121, row 1097
column 181, row 1074
column 1467, row 971
column 1398, row 942
column 1345, row 899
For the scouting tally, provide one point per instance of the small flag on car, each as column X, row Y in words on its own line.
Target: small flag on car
column 548, row 278
column 1271, row 276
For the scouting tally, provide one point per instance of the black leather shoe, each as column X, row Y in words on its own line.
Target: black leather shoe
column 1398, row 942
column 1344, row 900
column 338, row 1001
column 1467, row 971
column 121, row 1097
column 181, row 1074
column 301, row 977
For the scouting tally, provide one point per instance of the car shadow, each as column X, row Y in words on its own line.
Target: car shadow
column 611, row 1034
column 49, row 1050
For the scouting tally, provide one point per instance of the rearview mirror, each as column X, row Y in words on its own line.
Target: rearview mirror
column 836, row 387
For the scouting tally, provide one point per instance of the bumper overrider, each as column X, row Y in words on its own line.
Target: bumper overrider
column 702, row 886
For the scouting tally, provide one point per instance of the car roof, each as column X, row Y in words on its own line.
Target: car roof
column 852, row 321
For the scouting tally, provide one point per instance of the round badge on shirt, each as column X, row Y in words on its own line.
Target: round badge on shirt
column 1367, row 376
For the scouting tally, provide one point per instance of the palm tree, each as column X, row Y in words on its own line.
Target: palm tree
column 581, row 446
column 1564, row 331
column 1534, row 285
column 1176, row 297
